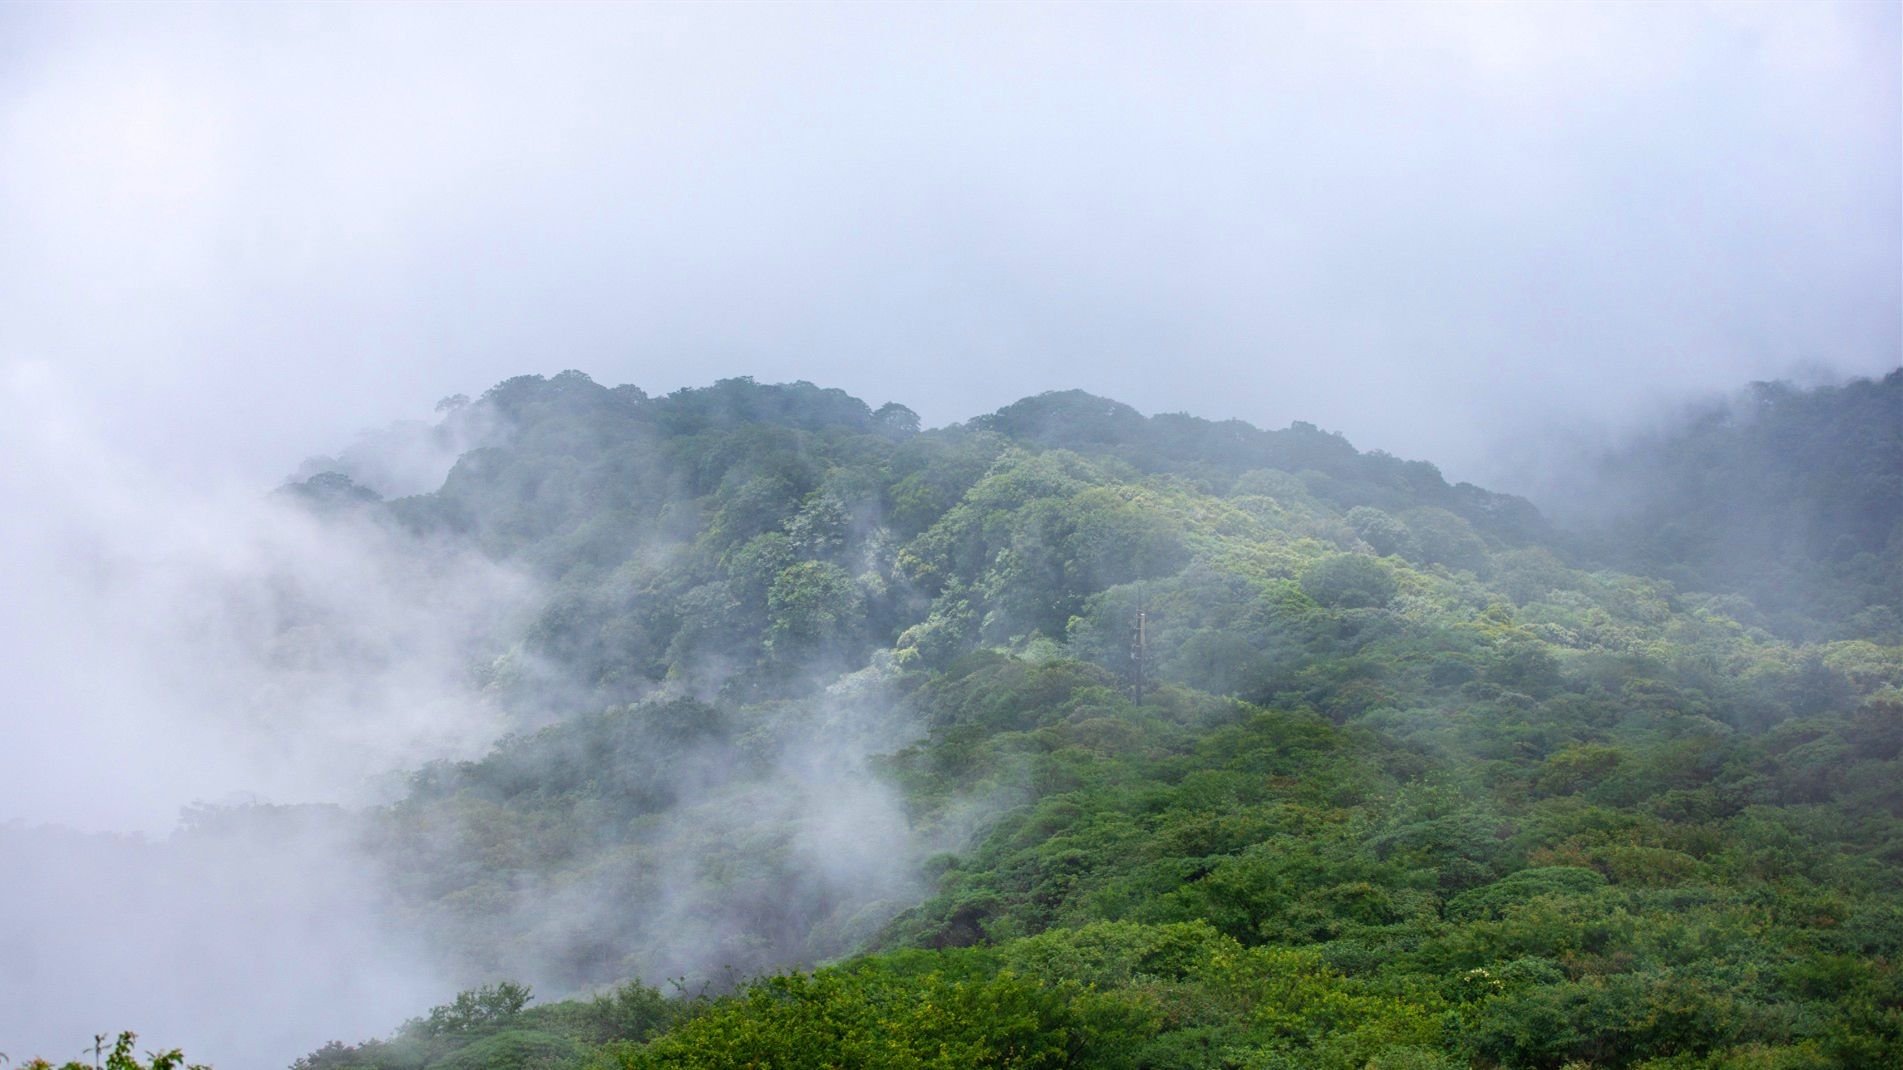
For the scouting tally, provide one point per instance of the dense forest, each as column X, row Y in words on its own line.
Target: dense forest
column 1070, row 737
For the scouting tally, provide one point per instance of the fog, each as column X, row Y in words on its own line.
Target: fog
column 174, row 645
column 1430, row 228
column 245, row 947
column 170, row 645
column 242, row 237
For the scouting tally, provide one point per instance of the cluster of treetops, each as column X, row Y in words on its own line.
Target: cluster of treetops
column 1223, row 747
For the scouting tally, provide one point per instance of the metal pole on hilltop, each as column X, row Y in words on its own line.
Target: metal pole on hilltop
column 1142, row 639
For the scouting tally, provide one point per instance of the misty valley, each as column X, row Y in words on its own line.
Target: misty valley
column 751, row 725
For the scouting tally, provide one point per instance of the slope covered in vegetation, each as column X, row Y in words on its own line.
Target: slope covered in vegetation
column 1078, row 738
column 1791, row 499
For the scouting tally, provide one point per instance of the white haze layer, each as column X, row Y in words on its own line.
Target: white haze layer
column 244, row 948
column 1436, row 228
column 168, row 644
column 173, row 644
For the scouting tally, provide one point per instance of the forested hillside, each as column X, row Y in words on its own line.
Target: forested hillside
column 1071, row 737
column 1791, row 499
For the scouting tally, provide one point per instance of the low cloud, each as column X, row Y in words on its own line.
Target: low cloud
column 1434, row 229
column 172, row 646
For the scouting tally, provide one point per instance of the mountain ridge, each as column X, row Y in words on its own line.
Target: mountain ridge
column 1073, row 737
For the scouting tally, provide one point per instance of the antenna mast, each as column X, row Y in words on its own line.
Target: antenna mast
column 1140, row 644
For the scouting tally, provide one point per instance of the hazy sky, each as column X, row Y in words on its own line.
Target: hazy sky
column 236, row 234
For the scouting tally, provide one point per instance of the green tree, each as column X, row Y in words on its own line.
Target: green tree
column 1349, row 581
column 120, row 1057
column 812, row 607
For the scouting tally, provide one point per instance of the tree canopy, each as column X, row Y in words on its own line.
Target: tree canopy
column 1199, row 745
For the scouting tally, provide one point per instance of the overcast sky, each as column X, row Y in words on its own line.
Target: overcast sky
column 234, row 235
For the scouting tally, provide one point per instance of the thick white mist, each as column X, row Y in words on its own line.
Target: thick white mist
column 171, row 643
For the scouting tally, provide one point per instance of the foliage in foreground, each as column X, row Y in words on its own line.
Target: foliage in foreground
column 119, row 1057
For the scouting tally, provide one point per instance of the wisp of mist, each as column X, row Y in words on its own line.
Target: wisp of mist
column 173, row 645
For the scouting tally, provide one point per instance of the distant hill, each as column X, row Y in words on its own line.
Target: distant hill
column 1792, row 499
